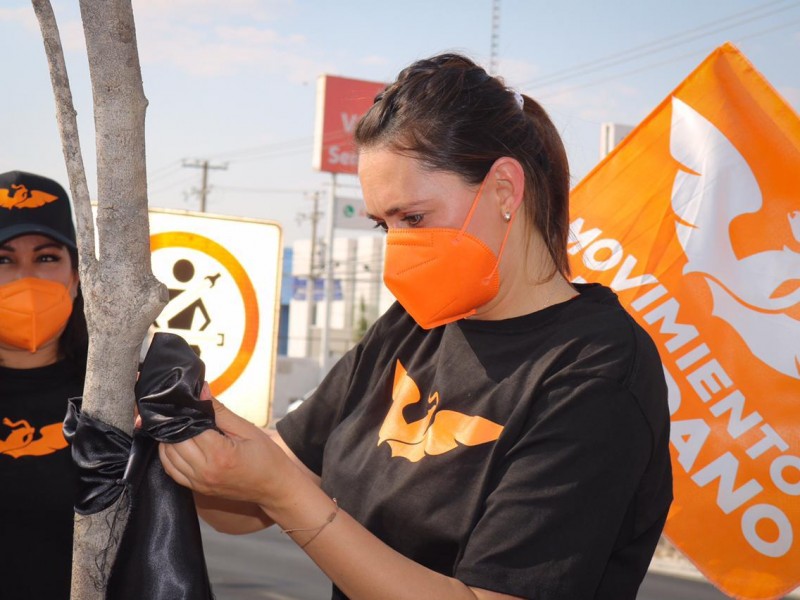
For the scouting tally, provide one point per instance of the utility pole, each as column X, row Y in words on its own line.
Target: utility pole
column 311, row 281
column 495, row 43
column 324, row 355
column 205, row 166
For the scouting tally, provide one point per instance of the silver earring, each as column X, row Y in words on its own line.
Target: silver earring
column 507, row 216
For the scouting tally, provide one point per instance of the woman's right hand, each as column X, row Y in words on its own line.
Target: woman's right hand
column 244, row 464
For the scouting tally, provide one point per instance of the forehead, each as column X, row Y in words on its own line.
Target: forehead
column 30, row 241
column 379, row 168
column 388, row 179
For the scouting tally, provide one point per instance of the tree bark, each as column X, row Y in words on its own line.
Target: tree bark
column 121, row 296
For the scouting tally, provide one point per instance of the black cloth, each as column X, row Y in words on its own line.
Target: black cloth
column 561, row 492
column 160, row 554
column 37, row 482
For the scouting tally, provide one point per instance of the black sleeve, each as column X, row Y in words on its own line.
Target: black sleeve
column 306, row 429
column 561, row 493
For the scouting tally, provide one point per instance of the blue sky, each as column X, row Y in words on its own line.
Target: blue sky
column 234, row 81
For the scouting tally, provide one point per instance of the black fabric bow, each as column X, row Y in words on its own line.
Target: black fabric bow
column 160, row 554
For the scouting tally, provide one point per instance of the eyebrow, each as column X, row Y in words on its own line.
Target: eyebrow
column 410, row 207
column 49, row 245
column 9, row 248
column 376, row 218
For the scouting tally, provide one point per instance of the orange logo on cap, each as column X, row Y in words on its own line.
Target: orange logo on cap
column 20, row 197
column 439, row 431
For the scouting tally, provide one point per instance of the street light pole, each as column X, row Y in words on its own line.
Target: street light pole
column 326, row 326
column 312, row 278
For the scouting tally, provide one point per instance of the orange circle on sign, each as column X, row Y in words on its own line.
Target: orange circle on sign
column 193, row 241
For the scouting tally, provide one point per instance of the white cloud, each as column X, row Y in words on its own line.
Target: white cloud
column 221, row 42
column 210, row 11
column 227, row 49
column 24, row 16
column 205, row 38
column 70, row 29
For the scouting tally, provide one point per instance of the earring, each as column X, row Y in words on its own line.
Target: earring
column 507, row 216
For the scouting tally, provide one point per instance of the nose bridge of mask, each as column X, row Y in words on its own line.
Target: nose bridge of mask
column 32, row 292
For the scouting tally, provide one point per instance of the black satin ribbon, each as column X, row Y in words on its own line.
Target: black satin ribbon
column 168, row 391
column 100, row 451
column 160, row 554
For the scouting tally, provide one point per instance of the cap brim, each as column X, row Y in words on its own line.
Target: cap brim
column 9, row 233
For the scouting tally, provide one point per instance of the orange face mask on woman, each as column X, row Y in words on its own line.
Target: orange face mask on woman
column 440, row 275
column 32, row 312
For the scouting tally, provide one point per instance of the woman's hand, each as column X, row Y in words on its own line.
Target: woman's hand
column 244, row 464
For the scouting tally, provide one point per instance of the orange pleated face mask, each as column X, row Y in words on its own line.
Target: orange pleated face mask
column 440, row 275
column 33, row 311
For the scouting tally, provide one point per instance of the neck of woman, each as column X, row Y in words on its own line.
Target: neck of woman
column 18, row 358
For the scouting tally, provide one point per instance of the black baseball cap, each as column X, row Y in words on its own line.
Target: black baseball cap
column 34, row 204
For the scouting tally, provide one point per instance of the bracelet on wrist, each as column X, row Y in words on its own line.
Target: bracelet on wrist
column 316, row 530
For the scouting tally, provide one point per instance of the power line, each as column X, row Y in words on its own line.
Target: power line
column 656, row 64
column 206, row 166
column 249, row 190
column 303, row 142
column 260, row 152
column 662, row 44
column 285, row 148
column 161, row 172
column 270, row 155
column 166, row 186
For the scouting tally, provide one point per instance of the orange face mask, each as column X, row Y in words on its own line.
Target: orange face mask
column 32, row 312
column 440, row 275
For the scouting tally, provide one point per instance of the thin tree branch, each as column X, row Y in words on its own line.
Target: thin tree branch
column 68, row 128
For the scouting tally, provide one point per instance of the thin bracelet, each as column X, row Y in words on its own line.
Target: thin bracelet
column 316, row 530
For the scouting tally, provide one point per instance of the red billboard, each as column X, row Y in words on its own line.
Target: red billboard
column 340, row 104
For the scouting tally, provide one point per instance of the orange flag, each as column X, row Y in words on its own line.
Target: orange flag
column 694, row 221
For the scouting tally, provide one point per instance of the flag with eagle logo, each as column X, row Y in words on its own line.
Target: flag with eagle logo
column 694, row 221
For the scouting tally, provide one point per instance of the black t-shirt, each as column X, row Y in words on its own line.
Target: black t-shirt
column 527, row 456
column 38, row 482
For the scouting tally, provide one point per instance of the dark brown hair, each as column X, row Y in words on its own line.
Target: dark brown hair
column 450, row 114
column 73, row 344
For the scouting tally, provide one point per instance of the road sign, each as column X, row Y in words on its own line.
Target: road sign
column 223, row 276
column 350, row 213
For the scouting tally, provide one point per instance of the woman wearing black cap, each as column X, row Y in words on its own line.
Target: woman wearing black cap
column 43, row 345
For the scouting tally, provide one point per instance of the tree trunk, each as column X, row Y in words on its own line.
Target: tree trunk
column 122, row 297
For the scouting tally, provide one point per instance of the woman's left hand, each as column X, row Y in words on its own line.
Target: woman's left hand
column 244, row 464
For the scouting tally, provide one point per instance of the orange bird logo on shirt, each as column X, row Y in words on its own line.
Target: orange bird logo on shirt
column 437, row 432
column 20, row 441
column 20, row 197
